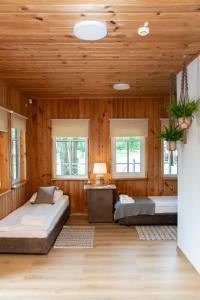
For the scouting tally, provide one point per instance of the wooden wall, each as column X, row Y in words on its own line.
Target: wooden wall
column 12, row 99
column 99, row 111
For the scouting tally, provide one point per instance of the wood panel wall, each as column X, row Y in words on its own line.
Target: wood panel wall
column 99, row 111
column 12, row 99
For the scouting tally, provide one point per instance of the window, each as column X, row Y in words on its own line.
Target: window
column 170, row 164
column 4, row 151
column 170, row 167
column 18, row 148
column 128, row 138
column 128, row 157
column 15, row 154
column 70, row 157
column 70, row 148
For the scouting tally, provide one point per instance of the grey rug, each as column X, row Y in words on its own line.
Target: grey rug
column 75, row 237
column 157, row 233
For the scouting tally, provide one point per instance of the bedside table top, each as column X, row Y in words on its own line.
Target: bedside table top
column 99, row 187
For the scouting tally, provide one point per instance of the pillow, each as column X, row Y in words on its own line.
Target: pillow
column 45, row 194
column 57, row 195
column 33, row 197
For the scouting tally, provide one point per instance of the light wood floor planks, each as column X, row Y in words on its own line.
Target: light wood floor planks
column 118, row 267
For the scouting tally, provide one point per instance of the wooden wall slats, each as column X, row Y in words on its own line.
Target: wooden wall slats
column 12, row 99
column 99, row 111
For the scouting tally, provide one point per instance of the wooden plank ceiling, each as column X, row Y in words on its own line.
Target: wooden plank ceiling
column 41, row 57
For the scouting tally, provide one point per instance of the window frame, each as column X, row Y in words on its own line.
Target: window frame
column 127, row 175
column 167, row 176
column 69, row 177
column 18, row 157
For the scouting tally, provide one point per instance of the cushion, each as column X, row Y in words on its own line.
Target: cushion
column 57, row 195
column 33, row 197
column 45, row 194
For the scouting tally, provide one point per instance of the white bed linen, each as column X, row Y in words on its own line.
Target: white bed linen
column 164, row 204
column 11, row 226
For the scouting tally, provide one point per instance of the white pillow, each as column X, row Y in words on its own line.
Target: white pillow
column 33, row 198
column 57, row 195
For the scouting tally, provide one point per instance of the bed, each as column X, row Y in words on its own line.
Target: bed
column 163, row 211
column 16, row 237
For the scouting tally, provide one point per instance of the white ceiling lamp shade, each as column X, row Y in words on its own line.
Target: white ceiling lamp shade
column 90, row 30
column 144, row 30
column 121, row 86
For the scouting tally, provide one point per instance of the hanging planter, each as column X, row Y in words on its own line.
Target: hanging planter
column 171, row 134
column 171, row 145
column 185, row 122
column 184, row 112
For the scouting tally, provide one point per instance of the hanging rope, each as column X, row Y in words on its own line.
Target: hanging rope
column 172, row 91
column 184, row 97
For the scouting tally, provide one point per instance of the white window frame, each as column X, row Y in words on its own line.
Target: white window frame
column 171, row 176
column 142, row 174
column 18, row 157
column 69, row 177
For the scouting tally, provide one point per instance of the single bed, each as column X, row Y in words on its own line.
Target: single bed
column 16, row 237
column 164, row 212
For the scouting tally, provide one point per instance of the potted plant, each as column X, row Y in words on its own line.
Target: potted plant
column 171, row 134
column 184, row 112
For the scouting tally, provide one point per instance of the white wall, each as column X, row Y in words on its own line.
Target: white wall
column 189, row 177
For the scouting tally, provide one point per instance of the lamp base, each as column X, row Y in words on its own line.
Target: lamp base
column 99, row 180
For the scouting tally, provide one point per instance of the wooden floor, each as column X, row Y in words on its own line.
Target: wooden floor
column 118, row 267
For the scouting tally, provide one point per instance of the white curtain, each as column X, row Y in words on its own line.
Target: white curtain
column 3, row 120
column 70, row 127
column 128, row 127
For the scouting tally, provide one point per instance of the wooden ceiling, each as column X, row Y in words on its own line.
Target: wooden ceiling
column 41, row 57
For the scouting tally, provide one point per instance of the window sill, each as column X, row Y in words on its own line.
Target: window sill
column 2, row 193
column 19, row 184
column 69, row 178
column 170, row 177
column 129, row 178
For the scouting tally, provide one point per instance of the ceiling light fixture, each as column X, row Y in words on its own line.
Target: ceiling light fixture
column 121, row 86
column 144, row 30
column 90, row 30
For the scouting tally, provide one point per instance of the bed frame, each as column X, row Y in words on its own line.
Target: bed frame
column 34, row 245
column 156, row 219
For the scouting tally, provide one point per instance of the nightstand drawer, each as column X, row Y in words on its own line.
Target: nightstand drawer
column 100, row 205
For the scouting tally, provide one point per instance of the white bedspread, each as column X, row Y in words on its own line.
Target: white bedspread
column 12, row 225
column 164, row 204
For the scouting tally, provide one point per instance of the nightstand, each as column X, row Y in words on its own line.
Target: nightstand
column 100, row 202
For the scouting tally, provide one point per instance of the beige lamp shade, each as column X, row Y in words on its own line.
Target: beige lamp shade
column 99, row 168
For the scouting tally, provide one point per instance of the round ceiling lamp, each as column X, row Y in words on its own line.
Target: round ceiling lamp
column 90, row 30
column 121, row 86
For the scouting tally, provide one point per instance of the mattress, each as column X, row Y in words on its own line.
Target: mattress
column 11, row 226
column 164, row 204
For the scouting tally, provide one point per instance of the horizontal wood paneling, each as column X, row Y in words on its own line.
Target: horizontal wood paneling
column 12, row 99
column 99, row 111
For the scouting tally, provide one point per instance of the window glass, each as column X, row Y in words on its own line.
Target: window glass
column 128, row 156
column 70, row 157
column 15, row 154
column 168, row 169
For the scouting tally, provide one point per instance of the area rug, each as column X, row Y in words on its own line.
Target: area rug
column 157, row 233
column 75, row 237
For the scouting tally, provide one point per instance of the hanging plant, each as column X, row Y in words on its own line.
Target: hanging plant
column 184, row 112
column 171, row 134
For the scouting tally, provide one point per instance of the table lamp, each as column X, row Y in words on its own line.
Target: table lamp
column 99, row 169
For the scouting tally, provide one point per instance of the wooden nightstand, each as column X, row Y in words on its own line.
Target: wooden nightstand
column 100, row 202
